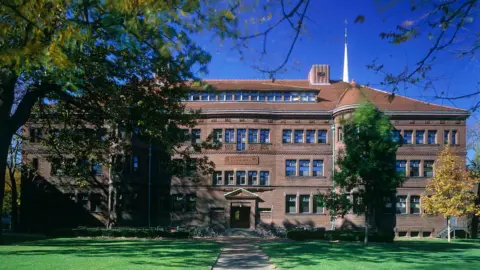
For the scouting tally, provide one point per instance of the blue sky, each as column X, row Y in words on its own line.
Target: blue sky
column 323, row 44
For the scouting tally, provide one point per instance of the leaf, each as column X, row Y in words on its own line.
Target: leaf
column 359, row 19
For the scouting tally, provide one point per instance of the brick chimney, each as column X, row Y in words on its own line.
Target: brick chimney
column 319, row 74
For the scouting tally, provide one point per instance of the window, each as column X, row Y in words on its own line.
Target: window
column 407, row 136
column 295, row 96
column 287, row 96
column 97, row 169
column 191, row 203
column 229, row 135
column 401, row 165
column 253, row 136
column 298, row 136
column 310, row 136
column 278, row 96
column 261, row 96
column 212, row 96
column 419, row 134
column 304, row 96
column 229, row 176
column 318, row 168
column 396, row 136
column 311, row 96
column 254, row 96
column 401, row 204
column 454, row 137
column 304, row 204
column 217, row 178
column 317, row 205
column 340, row 134
column 241, row 139
column 177, row 202
column 95, row 203
column 135, row 163
column 270, row 96
column 291, row 204
column 241, row 179
column 287, row 136
column 196, row 135
column 217, row 135
column 204, row 96
column 428, row 168
column 264, row 178
column 35, row 163
column 322, row 136
column 304, row 167
column 225, row 96
column 194, row 96
column 415, row 205
column 445, row 136
column 245, row 96
column 265, row 136
column 253, row 178
column 83, row 200
column 290, row 167
column 414, row 168
column 237, row 96
column 432, row 135
column 36, row 134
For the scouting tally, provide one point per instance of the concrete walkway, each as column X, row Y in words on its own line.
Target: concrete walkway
column 243, row 254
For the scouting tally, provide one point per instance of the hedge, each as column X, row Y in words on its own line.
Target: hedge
column 340, row 235
column 302, row 235
column 120, row 232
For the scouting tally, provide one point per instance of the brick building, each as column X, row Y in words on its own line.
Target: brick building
column 279, row 143
column 280, row 140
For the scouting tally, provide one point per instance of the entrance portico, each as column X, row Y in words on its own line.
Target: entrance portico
column 242, row 208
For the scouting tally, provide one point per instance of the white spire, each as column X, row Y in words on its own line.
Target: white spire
column 345, row 57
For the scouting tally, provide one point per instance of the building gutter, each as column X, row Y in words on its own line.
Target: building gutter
column 335, row 111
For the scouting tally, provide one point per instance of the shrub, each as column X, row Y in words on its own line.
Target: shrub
column 120, row 232
column 306, row 234
column 204, row 232
column 339, row 235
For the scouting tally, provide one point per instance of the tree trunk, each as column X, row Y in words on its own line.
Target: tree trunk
column 475, row 218
column 448, row 229
column 5, row 140
column 365, row 240
column 14, row 202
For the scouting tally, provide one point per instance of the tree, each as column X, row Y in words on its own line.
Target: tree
column 450, row 191
column 450, row 27
column 96, row 60
column 366, row 167
column 473, row 145
column 13, row 179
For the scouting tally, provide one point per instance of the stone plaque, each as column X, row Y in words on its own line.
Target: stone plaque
column 241, row 160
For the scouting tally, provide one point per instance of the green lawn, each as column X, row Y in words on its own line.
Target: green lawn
column 407, row 254
column 54, row 254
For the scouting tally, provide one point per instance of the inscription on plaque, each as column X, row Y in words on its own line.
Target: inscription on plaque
column 240, row 160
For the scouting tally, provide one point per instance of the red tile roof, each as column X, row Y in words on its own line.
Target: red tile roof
column 332, row 96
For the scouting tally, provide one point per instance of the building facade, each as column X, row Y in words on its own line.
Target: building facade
column 279, row 141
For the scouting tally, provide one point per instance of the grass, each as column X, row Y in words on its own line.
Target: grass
column 75, row 253
column 432, row 254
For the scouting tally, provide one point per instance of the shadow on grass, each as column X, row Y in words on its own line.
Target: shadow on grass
column 155, row 253
column 9, row 238
column 431, row 254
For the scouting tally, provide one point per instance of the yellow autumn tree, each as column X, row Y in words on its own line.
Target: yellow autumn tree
column 450, row 191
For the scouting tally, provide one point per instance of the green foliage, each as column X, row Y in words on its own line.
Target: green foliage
column 121, row 232
column 339, row 235
column 366, row 166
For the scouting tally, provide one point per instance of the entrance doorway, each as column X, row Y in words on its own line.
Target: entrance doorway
column 240, row 217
